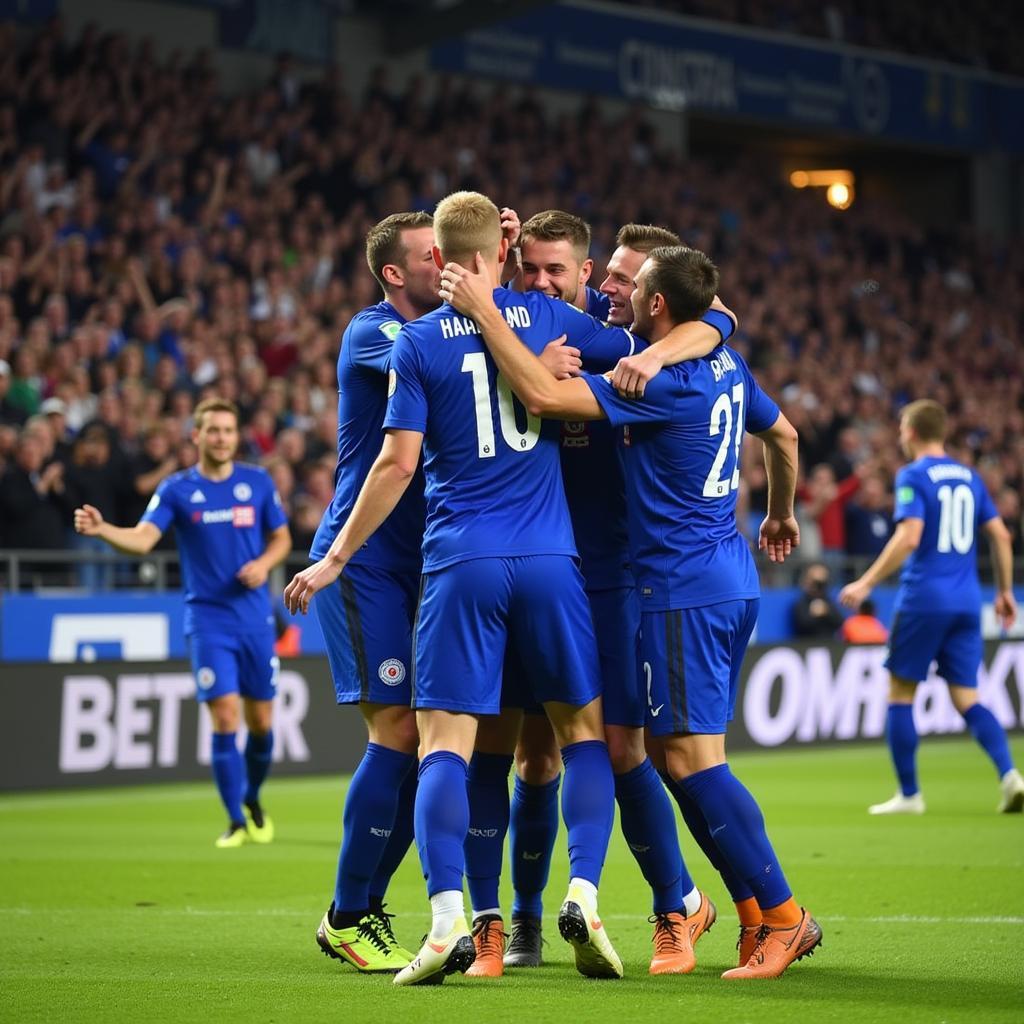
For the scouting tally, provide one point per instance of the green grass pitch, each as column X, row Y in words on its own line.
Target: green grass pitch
column 115, row 906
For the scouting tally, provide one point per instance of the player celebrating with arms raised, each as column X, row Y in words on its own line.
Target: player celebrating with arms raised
column 231, row 532
column 940, row 505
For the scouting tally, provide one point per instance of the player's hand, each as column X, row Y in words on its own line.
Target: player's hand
column 560, row 360
column 633, row 373
column 471, row 292
column 310, row 581
column 1006, row 608
column 252, row 575
column 854, row 594
column 88, row 521
column 778, row 537
column 510, row 226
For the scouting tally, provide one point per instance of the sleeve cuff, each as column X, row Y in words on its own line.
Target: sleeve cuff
column 721, row 322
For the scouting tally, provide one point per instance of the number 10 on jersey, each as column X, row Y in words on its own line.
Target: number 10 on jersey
column 475, row 364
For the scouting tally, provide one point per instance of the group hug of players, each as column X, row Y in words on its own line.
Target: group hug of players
column 532, row 554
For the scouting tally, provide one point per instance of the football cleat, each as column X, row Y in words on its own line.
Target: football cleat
column 675, row 935
column 389, row 933
column 747, row 942
column 236, row 835
column 489, row 944
column 364, row 946
column 1012, row 786
column 900, row 804
column 437, row 959
column 582, row 929
column 777, row 948
column 261, row 828
column 524, row 943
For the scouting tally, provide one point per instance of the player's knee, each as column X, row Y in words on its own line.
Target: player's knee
column 687, row 755
column 397, row 731
column 964, row 698
column 625, row 748
column 901, row 691
column 538, row 768
column 225, row 714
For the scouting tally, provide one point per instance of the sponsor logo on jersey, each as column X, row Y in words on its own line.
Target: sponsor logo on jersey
column 206, row 677
column 905, row 495
column 237, row 515
column 243, row 515
column 242, row 492
column 391, row 672
column 197, row 496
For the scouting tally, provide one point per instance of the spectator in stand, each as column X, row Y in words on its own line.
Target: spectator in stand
column 33, row 506
column 10, row 412
column 815, row 614
column 865, row 627
column 869, row 518
column 94, row 476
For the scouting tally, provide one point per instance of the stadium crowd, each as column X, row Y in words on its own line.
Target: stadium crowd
column 162, row 242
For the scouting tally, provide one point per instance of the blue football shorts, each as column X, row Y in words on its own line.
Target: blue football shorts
column 690, row 662
column 366, row 618
column 471, row 611
column 242, row 663
column 952, row 639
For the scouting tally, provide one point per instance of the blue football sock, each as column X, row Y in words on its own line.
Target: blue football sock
column 991, row 736
column 488, row 824
column 398, row 842
column 736, row 824
column 228, row 773
column 258, row 752
column 532, row 830
column 588, row 807
column 649, row 827
column 698, row 827
column 901, row 733
column 442, row 820
column 368, row 822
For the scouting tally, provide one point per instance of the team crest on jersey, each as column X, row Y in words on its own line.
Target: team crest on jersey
column 242, row 492
column 391, row 672
column 392, row 382
column 390, row 329
column 575, row 435
column 206, row 677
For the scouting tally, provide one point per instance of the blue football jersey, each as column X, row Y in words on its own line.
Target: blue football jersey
column 493, row 483
column 363, row 365
column 598, row 303
column 682, row 447
column 595, row 487
column 942, row 574
column 220, row 525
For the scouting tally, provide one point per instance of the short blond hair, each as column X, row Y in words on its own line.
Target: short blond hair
column 466, row 223
column 559, row 226
column 213, row 405
column 926, row 418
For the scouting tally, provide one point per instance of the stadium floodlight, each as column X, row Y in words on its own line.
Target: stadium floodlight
column 838, row 185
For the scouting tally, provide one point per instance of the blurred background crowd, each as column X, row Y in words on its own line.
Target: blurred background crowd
column 161, row 241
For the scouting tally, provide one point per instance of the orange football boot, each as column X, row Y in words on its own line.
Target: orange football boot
column 489, row 942
column 777, row 948
column 675, row 935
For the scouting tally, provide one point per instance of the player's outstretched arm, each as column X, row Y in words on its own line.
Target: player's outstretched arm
column 384, row 486
column 780, row 533
column 254, row 574
column 472, row 294
column 1001, row 550
column 901, row 545
column 132, row 540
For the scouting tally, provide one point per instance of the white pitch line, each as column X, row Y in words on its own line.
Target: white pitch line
column 280, row 912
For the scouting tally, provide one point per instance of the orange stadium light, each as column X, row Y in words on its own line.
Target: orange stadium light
column 838, row 184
